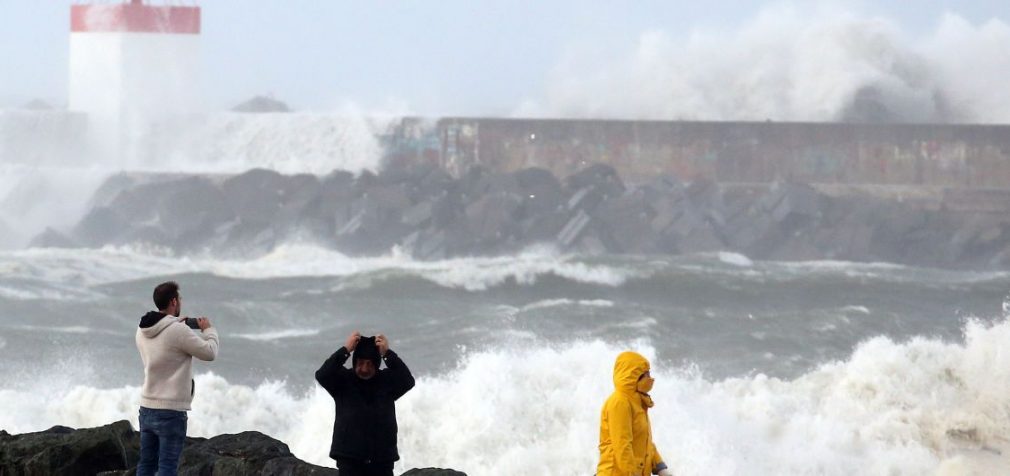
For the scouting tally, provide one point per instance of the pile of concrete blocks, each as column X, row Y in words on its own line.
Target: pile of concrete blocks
column 431, row 215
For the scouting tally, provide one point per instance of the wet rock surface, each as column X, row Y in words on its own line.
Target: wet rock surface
column 431, row 215
column 114, row 449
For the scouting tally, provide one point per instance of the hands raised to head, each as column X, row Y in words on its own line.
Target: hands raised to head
column 352, row 341
column 380, row 341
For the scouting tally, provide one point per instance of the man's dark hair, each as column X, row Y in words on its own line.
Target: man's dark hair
column 165, row 293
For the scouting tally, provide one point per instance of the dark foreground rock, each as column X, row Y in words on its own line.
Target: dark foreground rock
column 431, row 215
column 62, row 450
column 114, row 449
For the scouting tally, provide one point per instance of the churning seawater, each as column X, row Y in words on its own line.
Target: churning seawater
column 762, row 368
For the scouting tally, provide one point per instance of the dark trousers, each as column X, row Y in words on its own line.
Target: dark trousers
column 352, row 467
column 162, row 436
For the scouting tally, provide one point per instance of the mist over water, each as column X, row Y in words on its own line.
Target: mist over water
column 44, row 186
column 793, row 64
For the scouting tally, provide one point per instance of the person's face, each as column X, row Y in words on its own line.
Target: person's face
column 645, row 382
column 364, row 369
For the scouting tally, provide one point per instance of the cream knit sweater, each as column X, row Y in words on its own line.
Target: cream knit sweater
column 167, row 349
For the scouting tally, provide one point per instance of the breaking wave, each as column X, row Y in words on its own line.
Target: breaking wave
column 895, row 408
column 42, row 184
column 38, row 267
column 71, row 274
column 794, row 63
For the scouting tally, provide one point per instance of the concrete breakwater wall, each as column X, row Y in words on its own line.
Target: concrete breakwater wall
column 960, row 156
column 426, row 212
column 925, row 155
column 947, row 155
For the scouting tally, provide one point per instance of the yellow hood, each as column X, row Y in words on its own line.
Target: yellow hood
column 627, row 369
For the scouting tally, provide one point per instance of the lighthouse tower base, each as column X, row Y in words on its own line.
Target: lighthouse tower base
column 132, row 64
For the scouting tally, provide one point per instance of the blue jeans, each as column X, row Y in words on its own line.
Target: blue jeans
column 162, row 436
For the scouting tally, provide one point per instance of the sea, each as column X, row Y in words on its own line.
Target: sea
column 762, row 368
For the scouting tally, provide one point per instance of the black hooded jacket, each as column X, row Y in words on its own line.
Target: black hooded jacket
column 365, row 425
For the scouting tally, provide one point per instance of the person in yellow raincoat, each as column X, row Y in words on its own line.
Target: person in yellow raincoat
column 626, row 447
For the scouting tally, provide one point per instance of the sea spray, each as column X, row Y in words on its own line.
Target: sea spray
column 792, row 63
column 890, row 408
column 46, row 186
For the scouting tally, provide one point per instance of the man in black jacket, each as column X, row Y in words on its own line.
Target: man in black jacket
column 364, row 431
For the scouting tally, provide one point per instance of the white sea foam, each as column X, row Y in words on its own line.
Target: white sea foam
column 596, row 303
column 735, row 259
column 64, row 329
column 55, row 273
column 856, row 309
column 115, row 264
column 479, row 274
column 840, row 266
column 909, row 408
column 643, row 323
column 22, row 294
column 277, row 335
column 548, row 303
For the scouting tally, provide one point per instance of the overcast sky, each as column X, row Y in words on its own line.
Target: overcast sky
column 435, row 57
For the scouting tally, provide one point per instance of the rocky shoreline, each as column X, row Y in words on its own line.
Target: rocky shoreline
column 114, row 449
column 426, row 212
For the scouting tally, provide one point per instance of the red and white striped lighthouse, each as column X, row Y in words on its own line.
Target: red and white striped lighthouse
column 134, row 61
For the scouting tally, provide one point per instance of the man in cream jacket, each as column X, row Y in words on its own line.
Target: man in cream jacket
column 167, row 346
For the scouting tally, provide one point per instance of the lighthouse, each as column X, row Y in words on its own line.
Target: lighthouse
column 132, row 63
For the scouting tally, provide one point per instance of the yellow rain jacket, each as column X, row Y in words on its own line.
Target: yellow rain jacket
column 626, row 447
